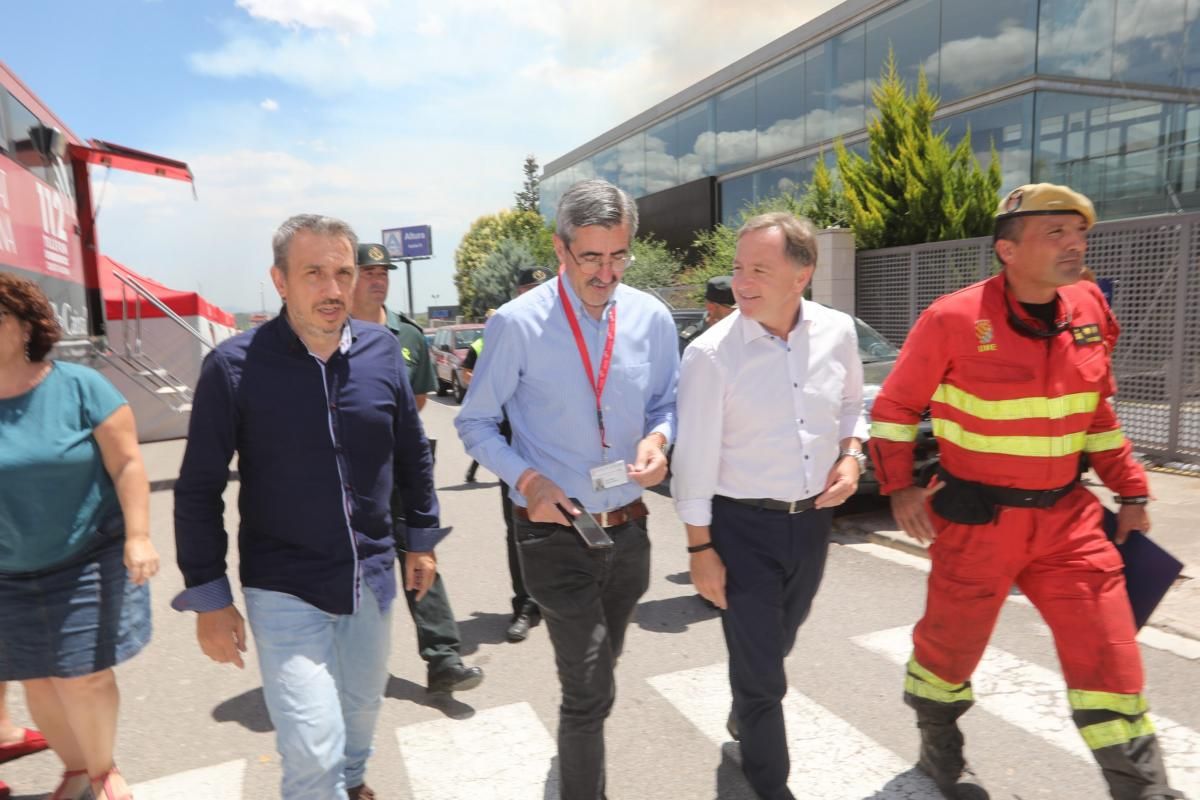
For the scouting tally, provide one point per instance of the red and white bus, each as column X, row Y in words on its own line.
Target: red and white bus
column 47, row 225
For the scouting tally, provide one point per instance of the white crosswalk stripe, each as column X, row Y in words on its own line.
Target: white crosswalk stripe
column 481, row 764
column 218, row 782
column 1034, row 699
column 817, row 738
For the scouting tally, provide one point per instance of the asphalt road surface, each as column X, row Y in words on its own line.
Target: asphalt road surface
column 191, row 728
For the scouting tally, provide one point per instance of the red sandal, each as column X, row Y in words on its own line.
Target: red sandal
column 32, row 742
column 60, row 792
column 5, row 792
column 104, row 780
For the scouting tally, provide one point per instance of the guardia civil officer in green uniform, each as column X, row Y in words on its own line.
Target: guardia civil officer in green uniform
column 437, row 633
column 718, row 304
column 525, row 612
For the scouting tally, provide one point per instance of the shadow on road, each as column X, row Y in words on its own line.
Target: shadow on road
column 674, row 614
column 466, row 487
column 553, row 781
column 248, row 709
column 680, row 578
column 401, row 689
column 483, row 628
column 731, row 783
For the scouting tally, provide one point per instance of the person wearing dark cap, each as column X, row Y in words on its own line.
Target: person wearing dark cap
column 1016, row 372
column 719, row 303
column 438, row 639
column 525, row 611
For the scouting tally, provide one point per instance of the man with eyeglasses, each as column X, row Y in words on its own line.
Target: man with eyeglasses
column 1017, row 374
column 586, row 369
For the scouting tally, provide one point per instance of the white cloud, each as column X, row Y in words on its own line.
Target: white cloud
column 269, row 105
column 973, row 63
column 456, row 92
column 345, row 17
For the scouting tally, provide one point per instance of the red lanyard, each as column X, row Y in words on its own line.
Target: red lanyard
column 606, row 359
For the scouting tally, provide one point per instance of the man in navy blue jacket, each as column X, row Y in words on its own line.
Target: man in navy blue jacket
column 319, row 410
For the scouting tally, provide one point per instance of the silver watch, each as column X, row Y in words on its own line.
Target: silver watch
column 857, row 455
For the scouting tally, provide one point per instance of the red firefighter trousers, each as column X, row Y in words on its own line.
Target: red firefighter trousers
column 1061, row 560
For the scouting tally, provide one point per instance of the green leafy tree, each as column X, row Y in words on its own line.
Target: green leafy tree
column 485, row 235
column 914, row 187
column 496, row 281
column 654, row 264
column 825, row 203
column 530, row 195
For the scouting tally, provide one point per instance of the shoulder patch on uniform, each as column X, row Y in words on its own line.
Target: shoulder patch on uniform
column 1087, row 334
column 407, row 354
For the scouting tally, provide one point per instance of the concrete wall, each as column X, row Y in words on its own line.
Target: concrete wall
column 833, row 282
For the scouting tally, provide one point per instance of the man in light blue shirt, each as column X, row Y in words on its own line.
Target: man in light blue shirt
column 586, row 369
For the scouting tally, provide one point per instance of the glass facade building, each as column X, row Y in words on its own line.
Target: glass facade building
column 1103, row 95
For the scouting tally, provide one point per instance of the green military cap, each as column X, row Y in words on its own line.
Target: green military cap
column 1045, row 198
column 720, row 290
column 532, row 276
column 373, row 255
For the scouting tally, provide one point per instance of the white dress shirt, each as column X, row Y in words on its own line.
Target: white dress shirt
column 760, row 417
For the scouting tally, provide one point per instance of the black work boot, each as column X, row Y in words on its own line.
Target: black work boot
column 1134, row 770
column 942, row 748
column 942, row 759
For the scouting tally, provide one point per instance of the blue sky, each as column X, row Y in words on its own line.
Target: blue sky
column 382, row 113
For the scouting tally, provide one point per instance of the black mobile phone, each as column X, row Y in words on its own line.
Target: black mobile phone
column 587, row 527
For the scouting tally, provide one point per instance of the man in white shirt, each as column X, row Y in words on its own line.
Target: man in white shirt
column 770, row 441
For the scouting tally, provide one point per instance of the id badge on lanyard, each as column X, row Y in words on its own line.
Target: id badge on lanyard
column 611, row 473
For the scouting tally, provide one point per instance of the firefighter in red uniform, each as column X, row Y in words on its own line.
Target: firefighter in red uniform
column 1016, row 372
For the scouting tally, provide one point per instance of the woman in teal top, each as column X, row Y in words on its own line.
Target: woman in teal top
column 75, row 550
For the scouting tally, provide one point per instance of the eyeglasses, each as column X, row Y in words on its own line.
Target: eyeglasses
column 591, row 262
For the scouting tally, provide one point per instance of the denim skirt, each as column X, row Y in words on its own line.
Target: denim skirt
column 73, row 619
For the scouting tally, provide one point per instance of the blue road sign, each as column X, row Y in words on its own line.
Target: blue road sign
column 391, row 240
column 413, row 241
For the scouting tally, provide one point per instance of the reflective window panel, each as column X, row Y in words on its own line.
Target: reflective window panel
column 780, row 108
column 736, row 130
column 985, row 44
column 1075, row 38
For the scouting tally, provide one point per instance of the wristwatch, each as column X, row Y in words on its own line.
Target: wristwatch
column 857, row 455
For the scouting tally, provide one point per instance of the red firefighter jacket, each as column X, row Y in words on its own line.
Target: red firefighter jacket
column 1007, row 409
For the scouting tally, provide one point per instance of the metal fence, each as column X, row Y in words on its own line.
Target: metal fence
column 1154, row 266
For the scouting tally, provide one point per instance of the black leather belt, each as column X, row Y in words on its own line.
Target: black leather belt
column 1010, row 496
column 792, row 507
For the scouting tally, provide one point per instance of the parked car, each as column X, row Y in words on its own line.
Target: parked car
column 878, row 356
column 450, row 345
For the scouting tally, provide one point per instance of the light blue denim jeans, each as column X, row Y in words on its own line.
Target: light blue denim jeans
column 323, row 679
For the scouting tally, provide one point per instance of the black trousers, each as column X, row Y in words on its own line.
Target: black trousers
column 774, row 562
column 438, row 640
column 587, row 598
column 520, row 597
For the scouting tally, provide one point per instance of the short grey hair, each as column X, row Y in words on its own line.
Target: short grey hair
column 313, row 223
column 799, row 235
column 594, row 202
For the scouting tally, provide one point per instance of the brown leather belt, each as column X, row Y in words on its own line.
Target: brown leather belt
column 607, row 519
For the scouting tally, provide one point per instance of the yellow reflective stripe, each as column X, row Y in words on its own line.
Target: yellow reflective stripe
column 1115, row 731
column 1019, row 408
column 1109, row 440
column 1128, row 704
column 919, row 688
column 893, row 432
column 1043, row 446
column 923, row 683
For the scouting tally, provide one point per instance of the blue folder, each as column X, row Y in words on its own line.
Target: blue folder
column 1149, row 570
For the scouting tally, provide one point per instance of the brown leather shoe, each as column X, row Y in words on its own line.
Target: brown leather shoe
column 361, row 792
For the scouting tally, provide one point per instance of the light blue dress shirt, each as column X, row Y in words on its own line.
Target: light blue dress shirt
column 532, row 368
